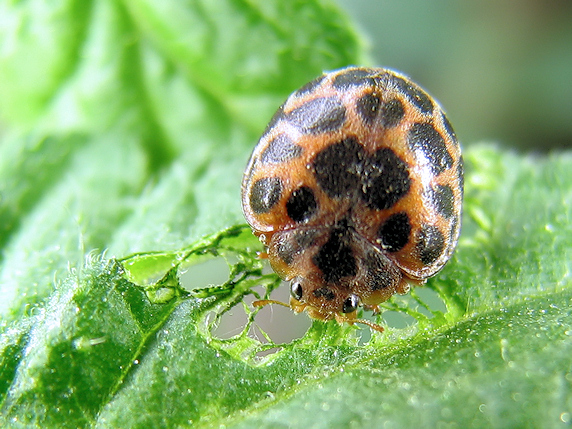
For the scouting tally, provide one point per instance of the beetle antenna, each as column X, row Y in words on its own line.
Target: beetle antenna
column 341, row 319
column 372, row 325
column 263, row 302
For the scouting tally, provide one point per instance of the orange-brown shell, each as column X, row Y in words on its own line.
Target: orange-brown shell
column 356, row 187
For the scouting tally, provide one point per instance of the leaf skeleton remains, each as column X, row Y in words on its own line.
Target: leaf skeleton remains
column 356, row 189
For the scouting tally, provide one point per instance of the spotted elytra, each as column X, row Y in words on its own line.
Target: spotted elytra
column 356, row 189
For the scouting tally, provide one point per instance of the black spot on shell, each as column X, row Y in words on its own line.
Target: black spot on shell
column 310, row 86
column 325, row 293
column 443, row 200
column 274, row 120
column 293, row 243
column 344, row 168
column 280, row 149
column 368, row 107
column 386, row 180
column 305, row 237
column 353, row 77
column 286, row 250
column 428, row 144
column 391, row 113
column 301, row 205
column 335, row 258
column 319, row 115
column 335, row 167
column 415, row 94
column 430, row 244
column 381, row 272
column 264, row 194
column 394, row 233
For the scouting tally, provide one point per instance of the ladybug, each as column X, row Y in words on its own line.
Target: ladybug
column 355, row 188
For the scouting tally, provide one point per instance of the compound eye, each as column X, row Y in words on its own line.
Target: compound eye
column 350, row 304
column 296, row 290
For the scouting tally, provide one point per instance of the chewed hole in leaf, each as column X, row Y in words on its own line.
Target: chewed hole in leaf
column 432, row 302
column 272, row 324
column 230, row 324
column 212, row 272
column 235, row 277
column 398, row 319
column 147, row 269
column 280, row 323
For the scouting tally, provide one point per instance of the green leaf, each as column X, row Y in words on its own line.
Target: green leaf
column 127, row 128
column 103, row 354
